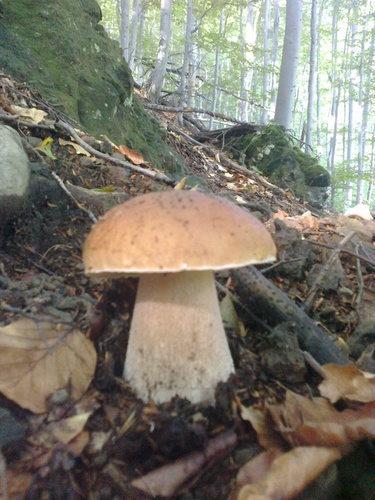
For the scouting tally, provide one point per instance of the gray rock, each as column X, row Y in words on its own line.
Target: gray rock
column 14, row 176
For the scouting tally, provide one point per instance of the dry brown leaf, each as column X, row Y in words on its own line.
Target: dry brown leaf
column 347, row 382
column 68, row 428
column 31, row 114
column 289, row 474
column 79, row 149
column 263, row 425
column 18, row 483
column 317, row 423
column 181, row 184
column 131, row 155
column 257, row 468
column 36, row 359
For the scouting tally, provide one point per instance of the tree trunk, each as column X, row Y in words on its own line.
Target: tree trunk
column 187, row 52
column 248, row 44
column 216, row 73
column 266, row 61
column 124, row 29
column 134, row 33
column 312, row 77
column 158, row 74
column 289, row 63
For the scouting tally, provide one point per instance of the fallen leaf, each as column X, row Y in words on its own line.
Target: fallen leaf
column 228, row 313
column 45, row 147
column 166, row 480
column 31, row 114
column 316, row 422
column 68, row 428
column 257, row 468
column 181, row 184
column 131, row 155
column 36, row 359
column 347, row 382
column 289, row 474
column 79, row 149
column 268, row 437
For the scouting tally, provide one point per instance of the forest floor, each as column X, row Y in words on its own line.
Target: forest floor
column 90, row 437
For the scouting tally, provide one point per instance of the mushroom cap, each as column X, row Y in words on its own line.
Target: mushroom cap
column 172, row 231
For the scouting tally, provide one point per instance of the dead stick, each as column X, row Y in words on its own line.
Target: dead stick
column 66, row 190
column 148, row 173
column 343, row 250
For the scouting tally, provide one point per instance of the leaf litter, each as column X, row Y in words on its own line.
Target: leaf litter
column 89, row 434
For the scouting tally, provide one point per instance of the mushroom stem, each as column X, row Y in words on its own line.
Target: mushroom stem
column 177, row 343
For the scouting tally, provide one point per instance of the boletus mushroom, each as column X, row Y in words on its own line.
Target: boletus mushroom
column 174, row 240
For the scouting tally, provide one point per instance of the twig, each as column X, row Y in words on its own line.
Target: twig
column 343, row 250
column 16, row 119
column 181, row 109
column 325, row 268
column 154, row 175
column 66, row 190
column 361, row 282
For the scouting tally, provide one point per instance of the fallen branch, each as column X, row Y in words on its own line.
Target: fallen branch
column 343, row 250
column 263, row 297
column 181, row 109
column 66, row 190
column 148, row 173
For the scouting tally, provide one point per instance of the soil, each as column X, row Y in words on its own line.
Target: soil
column 41, row 275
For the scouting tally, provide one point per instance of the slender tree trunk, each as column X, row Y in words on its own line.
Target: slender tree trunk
column 312, row 77
column 363, row 100
column 275, row 52
column 134, row 32
column 289, row 63
column 249, row 41
column 216, row 71
column 158, row 74
column 124, row 28
column 351, row 125
column 187, row 52
column 266, row 61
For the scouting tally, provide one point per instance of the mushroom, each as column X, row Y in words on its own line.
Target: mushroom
column 174, row 240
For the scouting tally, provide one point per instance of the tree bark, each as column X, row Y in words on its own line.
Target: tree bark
column 158, row 74
column 289, row 63
column 312, row 76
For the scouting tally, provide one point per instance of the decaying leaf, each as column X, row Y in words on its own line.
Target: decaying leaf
column 131, row 155
column 347, row 382
column 228, row 313
column 302, row 421
column 263, row 425
column 288, row 474
column 31, row 114
column 180, row 185
column 45, row 147
column 79, row 149
column 36, row 359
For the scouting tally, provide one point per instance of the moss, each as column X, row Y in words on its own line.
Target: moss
column 275, row 153
column 61, row 50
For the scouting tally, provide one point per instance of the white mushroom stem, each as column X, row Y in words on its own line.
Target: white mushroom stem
column 177, row 343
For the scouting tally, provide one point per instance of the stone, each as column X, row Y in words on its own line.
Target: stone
column 14, row 176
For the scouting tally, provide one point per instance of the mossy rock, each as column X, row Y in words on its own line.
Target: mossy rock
column 275, row 153
column 61, row 49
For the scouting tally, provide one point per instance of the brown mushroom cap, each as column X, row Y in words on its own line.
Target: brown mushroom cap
column 171, row 231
